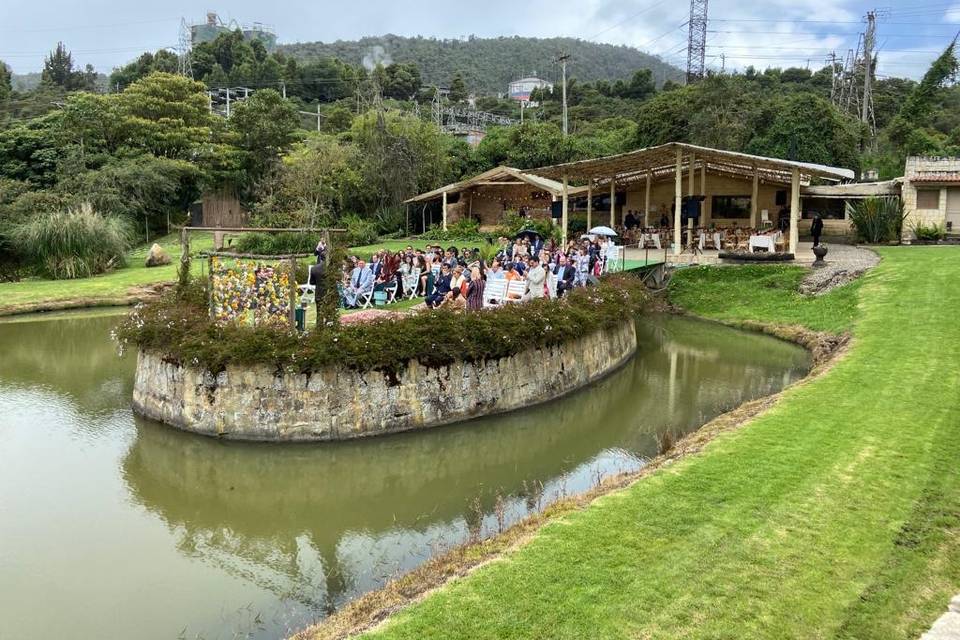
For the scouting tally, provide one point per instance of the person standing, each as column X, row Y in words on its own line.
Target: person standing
column 816, row 229
column 536, row 277
column 475, row 290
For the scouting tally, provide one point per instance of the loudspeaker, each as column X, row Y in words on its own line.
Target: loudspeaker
column 781, row 198
column 556, row 210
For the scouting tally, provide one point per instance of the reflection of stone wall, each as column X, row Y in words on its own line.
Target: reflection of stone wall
column 255, row 403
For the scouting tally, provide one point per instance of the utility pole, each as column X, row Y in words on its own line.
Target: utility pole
column 869, row 38
column 697, row 41
column 283, row 88
column 228, row 102
column 563, row 62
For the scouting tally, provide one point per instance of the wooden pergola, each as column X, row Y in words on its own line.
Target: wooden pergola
column 501, row 177
column 673, row 158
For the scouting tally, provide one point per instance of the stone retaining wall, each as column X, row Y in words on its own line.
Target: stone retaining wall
column 258, row 403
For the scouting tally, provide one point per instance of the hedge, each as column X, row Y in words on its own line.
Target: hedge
column 178, row 326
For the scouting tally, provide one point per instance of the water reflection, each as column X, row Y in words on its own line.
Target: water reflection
column 297, row 530
column 322, row 524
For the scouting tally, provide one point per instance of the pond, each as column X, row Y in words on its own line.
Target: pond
column 115, row 527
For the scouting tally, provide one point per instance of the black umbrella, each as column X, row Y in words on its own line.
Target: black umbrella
column 528, row 233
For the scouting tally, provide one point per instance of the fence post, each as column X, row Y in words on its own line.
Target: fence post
column 293, row 291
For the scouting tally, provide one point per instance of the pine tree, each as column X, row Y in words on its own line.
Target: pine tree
column 6, row 87
column 458, row 89
column 58, row 70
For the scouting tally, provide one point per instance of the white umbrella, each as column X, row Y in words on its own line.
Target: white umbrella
column 603, row 231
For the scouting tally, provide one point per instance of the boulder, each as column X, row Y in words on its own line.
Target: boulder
column 157, row 256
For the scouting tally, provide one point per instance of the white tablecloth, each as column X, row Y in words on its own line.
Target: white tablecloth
column 646, row 238
column 767, row 241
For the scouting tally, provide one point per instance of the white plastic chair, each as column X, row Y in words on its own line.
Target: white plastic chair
column 308, row 293
column 515, row 291
column 551, row 285
column 365, row 299
column 613, row 259
column 410, row 282
column 494, row 292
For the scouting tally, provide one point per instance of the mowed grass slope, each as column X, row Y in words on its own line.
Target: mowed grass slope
column 108, row 287
column 834, row 515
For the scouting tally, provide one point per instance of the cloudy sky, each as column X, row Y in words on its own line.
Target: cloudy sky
column 107, row 33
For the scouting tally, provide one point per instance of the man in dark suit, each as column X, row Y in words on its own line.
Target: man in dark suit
column 565, row 275
column 441, row 288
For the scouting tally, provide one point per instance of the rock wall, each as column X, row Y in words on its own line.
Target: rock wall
column 258, row 403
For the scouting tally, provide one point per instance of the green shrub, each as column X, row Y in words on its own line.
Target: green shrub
column 514, row 224
column 928, row 232
column 360, row 231
column 180, row 328
column 465, row 230
column 878, row 219
column 275, row 244
column 76, row 243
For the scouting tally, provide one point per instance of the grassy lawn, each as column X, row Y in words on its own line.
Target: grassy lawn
column 113, row 287
column 836, row 514
column 764, row 293
column 110, row 286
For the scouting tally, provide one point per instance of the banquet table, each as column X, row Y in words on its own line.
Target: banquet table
column 763, row 241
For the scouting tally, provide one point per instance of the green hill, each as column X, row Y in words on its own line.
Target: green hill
column 489, row 64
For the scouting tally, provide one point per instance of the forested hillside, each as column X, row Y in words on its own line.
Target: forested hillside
column 487, row 65
column 134, row 158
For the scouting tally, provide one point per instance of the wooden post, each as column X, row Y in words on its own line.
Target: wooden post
column 753, row 197
column 677, row 201
column 183, row 276
column 564, row 209
column 613, row 200
column 589, row 204
column 703, row 178
column 210, row 285
column 444, row 210
column 794, row 210
column 646, row 201
column 692, row 175
column 292, row 284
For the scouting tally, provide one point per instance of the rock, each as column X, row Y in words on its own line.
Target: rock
column 157, row 256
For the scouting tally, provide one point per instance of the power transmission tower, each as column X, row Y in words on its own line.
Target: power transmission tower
column 184, row 47
column 563, row 62
column 834, row 77
column 697, row 41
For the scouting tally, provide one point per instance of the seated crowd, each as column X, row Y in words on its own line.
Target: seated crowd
column 459, row 277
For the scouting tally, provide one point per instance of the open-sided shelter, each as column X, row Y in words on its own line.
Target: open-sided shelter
column 739, row 185
column 488, row 196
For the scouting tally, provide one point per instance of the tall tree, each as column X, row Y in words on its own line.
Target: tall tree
column 166, row 115
column 915, row 112
column 458, row 88
column 6, row 86
column 58, row 70
column 265, row 126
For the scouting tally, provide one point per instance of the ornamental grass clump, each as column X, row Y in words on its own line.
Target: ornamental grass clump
column 179, row 327
column 878, row 219
column 77, row 243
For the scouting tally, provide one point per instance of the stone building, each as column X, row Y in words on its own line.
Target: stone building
column 931, row 193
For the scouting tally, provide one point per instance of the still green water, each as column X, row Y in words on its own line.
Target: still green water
column 115, row 527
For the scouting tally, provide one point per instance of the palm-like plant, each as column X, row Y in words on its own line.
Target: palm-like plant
column 878, row 219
